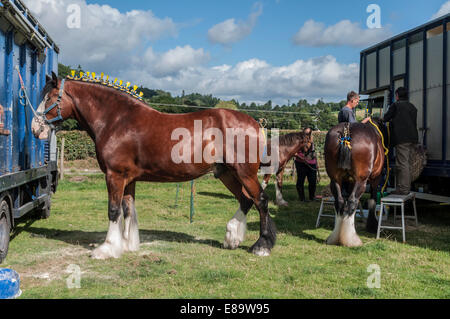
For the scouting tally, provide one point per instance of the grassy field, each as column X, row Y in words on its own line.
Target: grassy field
column 182, row 260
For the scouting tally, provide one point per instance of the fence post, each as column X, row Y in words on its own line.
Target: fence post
column 191, row 215
column 61, row 166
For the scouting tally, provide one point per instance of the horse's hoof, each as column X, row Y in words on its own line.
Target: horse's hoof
column 231, row 244
column 283, row 203
column 354, row 241
column 261, row 251
column 105, row 251
column 331, row 240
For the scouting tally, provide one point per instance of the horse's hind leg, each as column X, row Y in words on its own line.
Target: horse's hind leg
column 131, row 229
column 267, row 232
column 278, row 188
column 372, row 223
column 237, row 226
column 339, row 203
column 348, row 236
column 113, row 245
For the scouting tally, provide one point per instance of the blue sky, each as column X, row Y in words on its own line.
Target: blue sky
column 194, row 45
column 270, row 39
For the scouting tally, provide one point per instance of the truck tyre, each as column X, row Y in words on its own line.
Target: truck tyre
column 5, row 228
column 43, row 212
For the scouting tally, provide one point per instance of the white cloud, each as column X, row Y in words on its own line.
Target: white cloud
column 171, row 62
column 257, row 80
column 229, row 32
column 345, row 32
column 444, row 9
column 119, row 45
column 106, row 36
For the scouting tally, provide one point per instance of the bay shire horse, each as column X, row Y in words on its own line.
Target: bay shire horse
column 135, row 142
column 289, row 145
column 354, row 156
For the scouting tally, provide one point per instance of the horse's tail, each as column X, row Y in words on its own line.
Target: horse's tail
column 345, row 149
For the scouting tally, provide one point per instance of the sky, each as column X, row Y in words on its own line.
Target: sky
column 251, row 51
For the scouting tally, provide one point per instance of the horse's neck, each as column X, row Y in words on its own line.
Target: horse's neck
column 95, row 107
column 287, row 151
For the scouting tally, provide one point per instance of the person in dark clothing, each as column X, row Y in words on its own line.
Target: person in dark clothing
column 306, row 166
column 346, row 113
column 403, row 118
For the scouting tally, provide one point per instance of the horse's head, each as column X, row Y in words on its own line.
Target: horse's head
column 308, row 141
column 55, row 107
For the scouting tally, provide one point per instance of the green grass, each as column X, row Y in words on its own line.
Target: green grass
column 182, row 260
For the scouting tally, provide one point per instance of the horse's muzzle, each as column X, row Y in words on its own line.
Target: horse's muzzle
column 39, row 128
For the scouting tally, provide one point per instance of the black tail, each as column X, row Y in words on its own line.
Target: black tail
column 345, row 157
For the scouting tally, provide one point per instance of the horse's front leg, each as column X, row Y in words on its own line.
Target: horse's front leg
column 278, row 188
column 265, row 180
column 131, row 229
column 114, row 243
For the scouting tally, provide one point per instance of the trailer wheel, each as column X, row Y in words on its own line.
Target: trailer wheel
column 44, row 211
column 5, row 229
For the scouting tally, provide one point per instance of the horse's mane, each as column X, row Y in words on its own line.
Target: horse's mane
column 49, row 85
column 290, row 138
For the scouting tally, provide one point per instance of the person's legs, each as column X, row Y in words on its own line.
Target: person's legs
column 301, row 175
column 312, row 181
column 402, row 165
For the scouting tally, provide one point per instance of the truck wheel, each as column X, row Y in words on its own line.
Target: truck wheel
column 5, row 229
column 44, row 211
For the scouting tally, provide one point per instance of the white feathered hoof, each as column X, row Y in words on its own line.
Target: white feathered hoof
column 282, row 202
column 106, row 251
column 261, row 251
column 236, row 229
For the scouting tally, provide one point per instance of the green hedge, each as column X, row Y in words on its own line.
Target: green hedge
column 77, row 145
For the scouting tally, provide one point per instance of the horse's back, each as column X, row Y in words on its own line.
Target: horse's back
column 365, row 146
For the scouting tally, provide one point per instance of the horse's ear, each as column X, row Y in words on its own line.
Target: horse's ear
column 55, row 78
column 307, row 131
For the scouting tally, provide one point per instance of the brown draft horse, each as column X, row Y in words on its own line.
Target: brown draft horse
column 136, row 143
column 348, row 180
column 289, row 145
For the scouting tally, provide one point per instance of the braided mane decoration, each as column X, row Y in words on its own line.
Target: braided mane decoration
column 345, row 148
column 118, row 85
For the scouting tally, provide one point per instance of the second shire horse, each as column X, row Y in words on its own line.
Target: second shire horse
column 289, row 145
column 354, row 156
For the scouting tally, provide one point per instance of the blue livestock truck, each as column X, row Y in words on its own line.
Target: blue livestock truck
column 28, row 166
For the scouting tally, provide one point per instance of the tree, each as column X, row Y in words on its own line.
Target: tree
column 226, row 105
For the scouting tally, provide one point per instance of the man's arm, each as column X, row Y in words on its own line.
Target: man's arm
column 390, row 113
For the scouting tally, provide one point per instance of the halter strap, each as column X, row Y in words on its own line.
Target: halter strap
column 56, row 104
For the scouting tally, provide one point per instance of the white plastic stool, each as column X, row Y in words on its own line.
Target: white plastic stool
column 397, row 200
column 330, row 201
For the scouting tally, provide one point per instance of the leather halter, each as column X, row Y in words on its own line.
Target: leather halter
column 56, row 104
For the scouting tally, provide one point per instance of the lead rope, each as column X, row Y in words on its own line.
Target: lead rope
column 23, row 93
column 386, row 152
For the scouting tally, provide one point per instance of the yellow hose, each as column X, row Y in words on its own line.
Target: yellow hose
column 386, row 152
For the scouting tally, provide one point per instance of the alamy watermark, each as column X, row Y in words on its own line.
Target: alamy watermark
column 73, row 20
column 74, row 279
column 374, row 279
column 374, row 19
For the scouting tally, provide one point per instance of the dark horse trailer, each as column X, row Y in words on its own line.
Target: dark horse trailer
column 28, row 168
column 418, row 60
